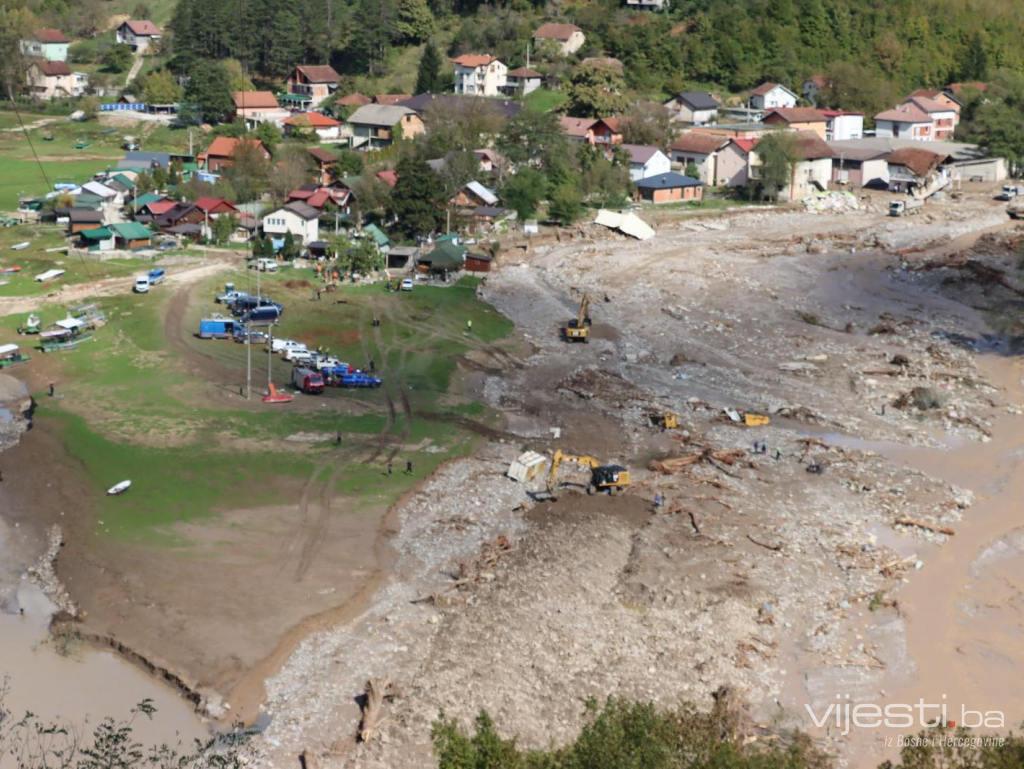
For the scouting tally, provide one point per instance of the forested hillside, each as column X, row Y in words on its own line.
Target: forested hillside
column 877, row 47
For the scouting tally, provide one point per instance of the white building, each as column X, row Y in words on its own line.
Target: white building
column 139, row 34
column 568, row 38
column 907, row 121
column 840, row 125
column 479, row 75
column 301, row 220
column 522, row 81
column 645, row 160
column 812, row 170
column 771, row 96
column 648, row 5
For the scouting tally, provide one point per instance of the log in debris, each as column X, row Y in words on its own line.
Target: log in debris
column 773, row 548
column 376, row 692
column 672, row 465
column 925, row 525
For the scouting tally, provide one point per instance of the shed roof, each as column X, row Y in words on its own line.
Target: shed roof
column 142, row 27
column 699, row 143
column 698, row 99
column 486, row 195
column 377, row 234
column 318, row 73
column 556, row 31
column 255, row 100
column 474, row 60
column 312, row 120
column 354, row 100
column 301, row 210
column 52, row 68
column 49, row 35
column 446, row 256
column 640, row 153
column 379, row 115
column 130, row 231
column 920, row 161
column 905, row 113
column 668, row 181
column 796, row 115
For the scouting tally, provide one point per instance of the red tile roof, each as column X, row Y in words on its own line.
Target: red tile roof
column 553, row 31
column 700, row 143
column 255, row 100
column 391, row 98
column 311, row 120
column 318, row 73
column 744, row 144
column 905, row 113
column 764, row 88
column 810, row 146
column 524, row 72
column 921, row 162
column 930, row 105
column 142, row 27
column 354, row 100
column 158, row 207
column 389, row 177
column 576, row 126
column 322, row 156
column 796, row 115
column 53, row 68
column 474, row 60
column 215, row 205
column 225, row 146
column 49, row 35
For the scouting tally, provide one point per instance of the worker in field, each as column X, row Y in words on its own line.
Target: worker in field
column 469, row 326
column 408, row 467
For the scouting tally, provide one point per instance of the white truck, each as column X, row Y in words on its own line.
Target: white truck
column 1009, row 192
column 906, row 207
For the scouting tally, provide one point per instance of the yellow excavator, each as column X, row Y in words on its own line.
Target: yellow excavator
column 610, row 478
column 578, row 328
column 666, row 420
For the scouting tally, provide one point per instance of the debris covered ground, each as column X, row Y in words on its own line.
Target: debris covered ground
column 774, row 545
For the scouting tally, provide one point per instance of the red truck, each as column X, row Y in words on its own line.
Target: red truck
column 308, row 380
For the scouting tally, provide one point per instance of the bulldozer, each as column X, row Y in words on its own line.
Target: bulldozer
column 610, row 478
column 578, row 328
column 666, row 420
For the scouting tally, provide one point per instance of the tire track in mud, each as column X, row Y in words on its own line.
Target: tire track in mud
column 314, row 535
column 293, row 542
column 365, row 318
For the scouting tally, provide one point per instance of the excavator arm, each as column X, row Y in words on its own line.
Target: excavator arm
column 556, row 461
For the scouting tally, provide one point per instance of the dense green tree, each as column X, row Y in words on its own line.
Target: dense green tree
column 596, row 91
column 161, row 88
column 565, row 204
column 647, row 123
column 429, row 78
column 417, row 201
column 284, row 47
column 974, row 65
column 524, row 191
column 209, row 91
column 413, row 21
column 777, row 153
column 118, row 58
column 14, row 25
column 534, row 138
column 249, row 172
column 350, row 163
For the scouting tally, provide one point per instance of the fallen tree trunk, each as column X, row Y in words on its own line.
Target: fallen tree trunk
column 925, row 525
column 672, row 465
column 376, row 691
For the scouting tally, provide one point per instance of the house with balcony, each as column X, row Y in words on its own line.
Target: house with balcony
column 943, row 111
column 375, row 126
column 140, row 34
column 312, row 84
column 479, row 75
column 48, row 80
column 48, row 44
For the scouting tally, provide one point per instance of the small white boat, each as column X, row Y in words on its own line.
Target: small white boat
column 118, row 488
column 20, row 246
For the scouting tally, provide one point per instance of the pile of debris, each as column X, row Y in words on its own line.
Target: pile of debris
column 831, row 203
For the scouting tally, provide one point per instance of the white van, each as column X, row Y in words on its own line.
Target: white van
column 266, row 265
column 141, row 284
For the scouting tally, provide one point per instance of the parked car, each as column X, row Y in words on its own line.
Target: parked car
column 296, row 354
column 264, row 265
column 141, row 284
column 407, row 284
column 281, row 345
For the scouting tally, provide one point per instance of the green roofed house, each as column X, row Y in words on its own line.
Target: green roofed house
column 446, row 257
column 377, row 234
column 97, row 239
column 145, row 200
column 121, row 183
column 131, row 235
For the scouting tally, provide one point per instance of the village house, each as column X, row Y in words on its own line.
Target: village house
column 566, row 39
column 797, row 119
column 522, row 81
column 214, row 208
column 907, row 121
column 80, row 219
column 375, row 126
column 107, row 194
column 841, row 125
column 771, row 96
column 297, row 218
column 450, row 103
column 811, row 172
column 141, row 35
column 592, row 130
column 221, row 152
column 97, row 239
column 48, row 44
column 323, row 127
column 474, row 194
column 943, row 112
column 315, row 82
column 389, row 176
column 732, row 163
column 669, row 188
column 648, row 5
column 479, row 74
column 54, row 80
column 700, row 151
column 326, row 164
column 693, row 107
column 941, row 96
column 490, row 160
column 255, row 107
column 857, row 167
column 813, row 86
column 911, row 169
column 131, row 235
column 645, row 161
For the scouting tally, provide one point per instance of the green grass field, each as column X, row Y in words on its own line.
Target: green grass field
column 132, row 407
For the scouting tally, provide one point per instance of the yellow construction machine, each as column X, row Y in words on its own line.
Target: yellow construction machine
column 610, row 478
column 578, row 328
column 666, row 420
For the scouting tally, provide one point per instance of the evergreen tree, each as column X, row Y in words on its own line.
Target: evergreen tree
column 209, row 91
column 975, row 60
column 413, row 21
column 284, row 45
column 429, row 78
column 417, row 200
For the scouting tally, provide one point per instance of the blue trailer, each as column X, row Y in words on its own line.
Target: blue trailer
column 357, row 379
column 219, row 328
